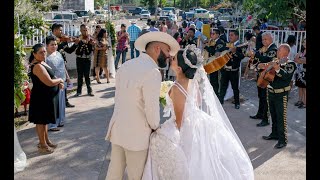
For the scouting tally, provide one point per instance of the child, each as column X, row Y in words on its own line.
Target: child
column 27, row 92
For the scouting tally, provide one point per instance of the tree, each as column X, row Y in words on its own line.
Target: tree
column 279, row 10
column 27, row 18
column 99, row 3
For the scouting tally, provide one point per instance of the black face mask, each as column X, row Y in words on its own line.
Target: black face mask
column 162, row 60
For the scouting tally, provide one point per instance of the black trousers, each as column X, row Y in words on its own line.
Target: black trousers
column 278, row 110
column 214, row 81
column 233, row 77
column 83, row 70
column 263, row 104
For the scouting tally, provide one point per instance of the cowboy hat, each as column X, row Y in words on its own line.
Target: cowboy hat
column 144, row 39
column 134, row 21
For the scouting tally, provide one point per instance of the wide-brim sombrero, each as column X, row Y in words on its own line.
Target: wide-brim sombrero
column 144, row 39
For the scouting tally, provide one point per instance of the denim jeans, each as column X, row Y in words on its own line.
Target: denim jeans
column 132, row 50
column 119, row 53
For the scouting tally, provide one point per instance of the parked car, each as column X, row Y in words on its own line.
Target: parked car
column 66, row 17
column 48, row 16
column 136, row 11
column 145, row 14
column 173, row 9
column 153, row 10
column 225, row 10
column 189, row 15
column 166, row 12
column 81, row 13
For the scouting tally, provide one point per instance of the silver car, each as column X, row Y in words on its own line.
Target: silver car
column 145, row 14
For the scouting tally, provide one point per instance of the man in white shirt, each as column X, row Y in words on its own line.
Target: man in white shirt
column 137, row 112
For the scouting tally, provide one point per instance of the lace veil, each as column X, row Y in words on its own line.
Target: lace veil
column 202, row 96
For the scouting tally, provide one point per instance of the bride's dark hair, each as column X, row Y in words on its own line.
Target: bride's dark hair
column 187, row 71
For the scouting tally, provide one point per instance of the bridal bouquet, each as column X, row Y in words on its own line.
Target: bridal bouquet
column 165, row 87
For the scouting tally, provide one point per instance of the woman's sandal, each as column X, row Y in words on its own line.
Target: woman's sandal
column 50, row 145
column 45, row 149
column 54, row 129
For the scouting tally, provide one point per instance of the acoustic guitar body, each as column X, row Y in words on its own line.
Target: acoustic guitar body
column 265, row 77
column 215, row 64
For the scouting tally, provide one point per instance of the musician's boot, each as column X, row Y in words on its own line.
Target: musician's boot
column 264, row 122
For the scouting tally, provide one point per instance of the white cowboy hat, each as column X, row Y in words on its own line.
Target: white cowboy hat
column 134, row 21
column 144, row 39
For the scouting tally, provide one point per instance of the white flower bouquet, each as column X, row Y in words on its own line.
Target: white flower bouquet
column 165, row 87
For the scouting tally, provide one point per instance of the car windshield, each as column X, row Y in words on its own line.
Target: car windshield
column 144, row 12
column 168, row 8
column 164, row 18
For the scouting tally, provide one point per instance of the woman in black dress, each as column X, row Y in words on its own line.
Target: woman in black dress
column 300, row 76
column 43, row 107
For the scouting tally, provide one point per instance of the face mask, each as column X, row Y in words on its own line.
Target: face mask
column 162, row 60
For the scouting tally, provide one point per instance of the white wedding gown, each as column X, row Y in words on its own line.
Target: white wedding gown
column 206, row 147
column 20, row 158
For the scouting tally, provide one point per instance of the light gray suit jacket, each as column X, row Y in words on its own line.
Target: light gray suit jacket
column 136, row 109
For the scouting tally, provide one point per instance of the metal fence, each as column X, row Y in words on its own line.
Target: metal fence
column 71, row 29
column 279, row 36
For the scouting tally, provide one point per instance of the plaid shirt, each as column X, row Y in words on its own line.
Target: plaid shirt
column 134, row 32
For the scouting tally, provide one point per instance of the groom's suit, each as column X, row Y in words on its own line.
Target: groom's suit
column 136, row 113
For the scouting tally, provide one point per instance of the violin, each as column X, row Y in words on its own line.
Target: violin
column 65, row 38
column 268, row 74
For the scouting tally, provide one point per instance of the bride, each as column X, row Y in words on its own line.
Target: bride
column 197, row 141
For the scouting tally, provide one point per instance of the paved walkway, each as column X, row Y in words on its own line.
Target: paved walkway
column 83, row 154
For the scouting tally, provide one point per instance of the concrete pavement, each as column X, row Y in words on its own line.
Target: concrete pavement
column 83, row 154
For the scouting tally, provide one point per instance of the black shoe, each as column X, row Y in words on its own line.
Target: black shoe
column 263, row 124
column 60, row 125
column 68, row 105
column 298, row 103
column 255, row 117
column 269, row 138
column 280, row 145
column 90, row 94
column 77, row 95
column 237, row 106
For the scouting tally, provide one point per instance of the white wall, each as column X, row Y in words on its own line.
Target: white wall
column 89, row 5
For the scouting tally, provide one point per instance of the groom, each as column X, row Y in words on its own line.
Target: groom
column 137, row 112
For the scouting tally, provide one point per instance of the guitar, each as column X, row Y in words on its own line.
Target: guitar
column 215, row 63
column 268, row 74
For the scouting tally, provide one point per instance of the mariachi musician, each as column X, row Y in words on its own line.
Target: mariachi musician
column 63, row 47
column 230, row 72
column 278, row 91
column 189, row 38
column 84, row 50
column 264, row 55
column 214, row 47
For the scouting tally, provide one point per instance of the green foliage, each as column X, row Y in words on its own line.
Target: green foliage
column 152, row 3
column 20, row 74
column 29, row 15
column 144, row 2
column 279, row 10
column 112, row 32
column 99, row 3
